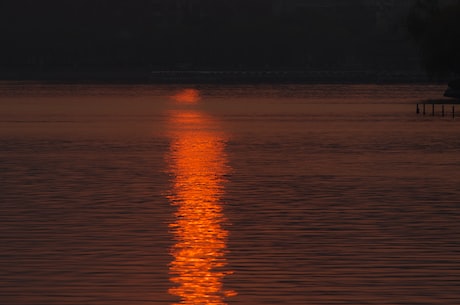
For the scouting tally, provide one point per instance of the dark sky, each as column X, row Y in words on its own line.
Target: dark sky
column 256, row 34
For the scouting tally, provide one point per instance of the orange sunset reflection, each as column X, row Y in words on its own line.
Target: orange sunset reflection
column 187, row 96
column 197, row 163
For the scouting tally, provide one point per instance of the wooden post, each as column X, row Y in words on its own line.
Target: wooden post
column 417, row 110
column 442, row 110
column 424, row 109
column 453, row 111
column 432, row 109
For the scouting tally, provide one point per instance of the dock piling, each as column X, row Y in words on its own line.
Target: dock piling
column 420, row 108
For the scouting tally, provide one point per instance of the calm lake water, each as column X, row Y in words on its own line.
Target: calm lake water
column 302, row 194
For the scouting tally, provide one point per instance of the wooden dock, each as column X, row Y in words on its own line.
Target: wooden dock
column 443, row 107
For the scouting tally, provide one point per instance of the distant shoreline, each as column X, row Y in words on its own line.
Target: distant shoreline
column 289, row 76
column 213, row 76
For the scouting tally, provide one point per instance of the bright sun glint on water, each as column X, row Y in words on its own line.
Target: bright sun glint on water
column 197, row 161
column 187, row 96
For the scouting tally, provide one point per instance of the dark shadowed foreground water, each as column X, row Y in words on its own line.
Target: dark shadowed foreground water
column 310, row 194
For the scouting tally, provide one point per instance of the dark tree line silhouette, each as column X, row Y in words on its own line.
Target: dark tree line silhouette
column 436, row 30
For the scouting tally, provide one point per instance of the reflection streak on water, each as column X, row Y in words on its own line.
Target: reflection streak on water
column 197, row 163
column 187, row 96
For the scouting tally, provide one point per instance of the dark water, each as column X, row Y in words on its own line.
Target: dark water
column 310, row 194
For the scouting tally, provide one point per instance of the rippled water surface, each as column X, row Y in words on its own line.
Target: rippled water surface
column 302, row 194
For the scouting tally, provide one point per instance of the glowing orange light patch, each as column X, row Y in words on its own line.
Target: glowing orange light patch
column 197, row 162
column 187, row 96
